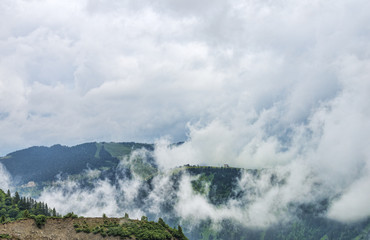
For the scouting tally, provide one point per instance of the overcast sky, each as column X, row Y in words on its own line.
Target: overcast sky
column 78, row 71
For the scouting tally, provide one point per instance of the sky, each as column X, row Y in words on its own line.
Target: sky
column 253, row 83
column 79, row 71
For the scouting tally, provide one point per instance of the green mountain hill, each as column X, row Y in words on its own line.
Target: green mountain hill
column 40, row 164
column 118, row 163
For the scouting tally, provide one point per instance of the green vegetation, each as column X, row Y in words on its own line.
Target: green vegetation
column 142, row 169
column 202, row 183
column 33, row 164
column 141, row 230
column 16, row 207
column 70, row 215
column 217, row 183
column 40, row 220
column 5, row 236
column 118, row 150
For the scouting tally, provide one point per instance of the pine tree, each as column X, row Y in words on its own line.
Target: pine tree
column 16, row 198
column 26, row 214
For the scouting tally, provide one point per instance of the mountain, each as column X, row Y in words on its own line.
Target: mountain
column 40, row 164
column 210, row 202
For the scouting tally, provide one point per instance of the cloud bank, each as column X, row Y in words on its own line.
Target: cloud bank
column 330, row 144
column 122, row 71
column 256, row 84
column 5, row 178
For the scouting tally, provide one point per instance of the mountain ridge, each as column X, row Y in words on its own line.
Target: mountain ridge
column 40, row 163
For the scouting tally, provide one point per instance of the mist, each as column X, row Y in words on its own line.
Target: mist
column 278, row 86
column 323, row 157
column 5, row 178
column 329, row 146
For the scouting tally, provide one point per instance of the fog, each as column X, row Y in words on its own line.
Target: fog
column 5, row 178
column 281, row 86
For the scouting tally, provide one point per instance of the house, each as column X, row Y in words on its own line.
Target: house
column 226, row 165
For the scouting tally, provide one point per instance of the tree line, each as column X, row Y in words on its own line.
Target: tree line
column 13, row 207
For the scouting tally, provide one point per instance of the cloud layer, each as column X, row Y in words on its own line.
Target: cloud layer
column 256, row 84
column 5, row 179
column 122, row 71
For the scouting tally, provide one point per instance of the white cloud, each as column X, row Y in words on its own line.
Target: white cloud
column 5, row 179
column 260, row 83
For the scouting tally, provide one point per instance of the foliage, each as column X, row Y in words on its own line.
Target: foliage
column 140, row 230
column 5, row 236
column 16, row 207
column 33, row 164
column 221, row 182
column 217, row 184
column 40, row 220
column 70, row 215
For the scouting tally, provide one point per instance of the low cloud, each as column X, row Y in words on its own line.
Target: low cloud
column 123, row 71
column 327, row 148
column 5, row 178
column 256, row 84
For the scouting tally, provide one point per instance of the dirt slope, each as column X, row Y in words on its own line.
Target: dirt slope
column 54, row 229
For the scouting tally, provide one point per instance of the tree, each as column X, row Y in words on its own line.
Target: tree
column 180, row 230
column 180, row 234
column 144, row 218
column 54, row 212
column 26, row 214
column 13, row 213
column 8, row 201
column 160, row 221
column 16, row 198
column 126, row 216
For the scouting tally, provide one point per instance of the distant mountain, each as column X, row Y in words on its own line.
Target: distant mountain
column 138, row 185
column 39, row 164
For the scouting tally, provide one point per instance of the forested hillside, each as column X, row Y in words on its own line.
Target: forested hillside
column 16, row 207
column 124, row 177
column 39, row 164
column 219, row 185
column 16, row 210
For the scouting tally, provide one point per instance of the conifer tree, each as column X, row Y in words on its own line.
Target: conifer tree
column 26, row 214
column 16, row 198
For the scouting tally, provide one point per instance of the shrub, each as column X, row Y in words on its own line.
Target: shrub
column 40, row 220
column 70, row 215
column 5, row 236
